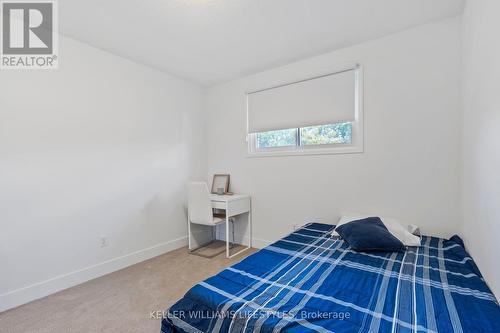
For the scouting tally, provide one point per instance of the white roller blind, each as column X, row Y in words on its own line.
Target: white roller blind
column 319, row 101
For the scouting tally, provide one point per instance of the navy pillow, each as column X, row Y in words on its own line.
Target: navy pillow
column 369, row 234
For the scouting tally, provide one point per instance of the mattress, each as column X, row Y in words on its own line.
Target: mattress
column 310, row 281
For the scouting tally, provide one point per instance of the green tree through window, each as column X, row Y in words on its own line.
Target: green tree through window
column 280, row 138
column 326, row 134
column 340, row 133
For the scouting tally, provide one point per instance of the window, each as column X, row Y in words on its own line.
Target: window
column 279, row 138
column 320, row 115
column 332, row 134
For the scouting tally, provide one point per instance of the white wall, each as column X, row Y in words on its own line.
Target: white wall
column 409, row 168
column 79, row 161
column 481, row 137
column 101, row 146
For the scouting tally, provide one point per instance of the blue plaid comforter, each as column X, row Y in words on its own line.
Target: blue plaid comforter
column 309, row 281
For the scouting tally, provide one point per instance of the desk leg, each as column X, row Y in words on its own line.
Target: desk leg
column 250, row 226
column 189, row 233
column 227, row 234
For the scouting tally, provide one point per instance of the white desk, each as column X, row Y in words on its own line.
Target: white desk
column 235, row 204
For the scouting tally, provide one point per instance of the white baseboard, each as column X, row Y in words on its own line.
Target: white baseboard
column 41, row 289
column 260, row 243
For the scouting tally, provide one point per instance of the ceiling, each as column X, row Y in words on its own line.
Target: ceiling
column 212, row 41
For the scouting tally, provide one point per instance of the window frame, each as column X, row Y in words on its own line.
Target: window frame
column 357, row 139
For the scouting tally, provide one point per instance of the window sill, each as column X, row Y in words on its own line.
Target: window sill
column 305, row 151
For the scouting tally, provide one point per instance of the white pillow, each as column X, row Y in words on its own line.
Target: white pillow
column 394, row 227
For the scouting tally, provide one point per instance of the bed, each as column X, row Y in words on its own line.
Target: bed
column 310, row 281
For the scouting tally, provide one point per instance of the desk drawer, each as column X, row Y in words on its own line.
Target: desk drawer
column 237, row 207
column 218, row 204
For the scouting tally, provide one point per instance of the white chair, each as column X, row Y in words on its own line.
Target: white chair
column 200, row 212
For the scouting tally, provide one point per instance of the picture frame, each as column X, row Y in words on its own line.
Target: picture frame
column 220, row 181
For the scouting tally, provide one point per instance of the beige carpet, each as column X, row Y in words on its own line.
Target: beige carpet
column 120, row 301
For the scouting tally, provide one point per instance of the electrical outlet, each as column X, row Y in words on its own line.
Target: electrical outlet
column 104, row 241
